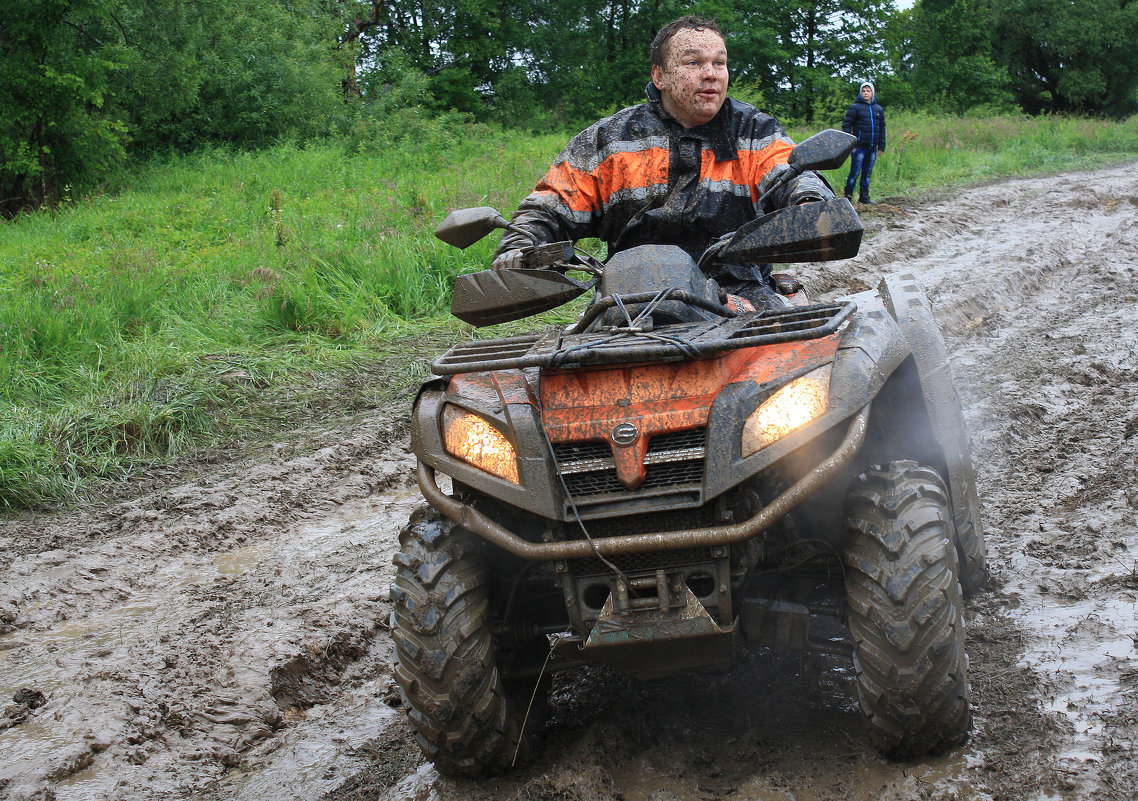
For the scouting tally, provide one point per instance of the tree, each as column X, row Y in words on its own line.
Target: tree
column 566, row 62
column 896, row 84
column 1065, row 56
column 953, row 66
column 820, row 47
column 242, row 72
column 55, row 129
column 83, row 83
column 590, row 57
column 462, row 46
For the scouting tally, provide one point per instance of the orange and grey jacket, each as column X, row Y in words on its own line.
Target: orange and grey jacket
column 639, row 177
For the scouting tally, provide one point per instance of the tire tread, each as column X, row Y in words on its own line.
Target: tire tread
column 906, row 611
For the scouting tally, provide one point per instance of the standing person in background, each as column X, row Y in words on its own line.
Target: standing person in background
column 865, row 119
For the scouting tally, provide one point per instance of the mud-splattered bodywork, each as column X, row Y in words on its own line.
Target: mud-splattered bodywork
column 645, row 527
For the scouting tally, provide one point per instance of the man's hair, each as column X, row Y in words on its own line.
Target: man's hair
column 658, row 52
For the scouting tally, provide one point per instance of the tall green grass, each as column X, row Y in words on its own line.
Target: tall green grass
column 211, row 290
column 928, row 153
column 139, row 323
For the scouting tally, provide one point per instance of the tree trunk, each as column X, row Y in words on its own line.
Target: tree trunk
column 355, row 30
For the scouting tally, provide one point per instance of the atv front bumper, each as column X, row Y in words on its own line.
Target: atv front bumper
column 476, row 522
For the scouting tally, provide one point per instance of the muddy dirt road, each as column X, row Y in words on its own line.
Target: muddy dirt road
column 223, row 635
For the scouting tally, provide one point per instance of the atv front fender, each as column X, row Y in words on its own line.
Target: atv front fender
column 908, row 305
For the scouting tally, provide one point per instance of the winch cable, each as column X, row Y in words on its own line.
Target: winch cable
column 536, row 687
column 529, row 706
column 631, row 330
column 623, row 579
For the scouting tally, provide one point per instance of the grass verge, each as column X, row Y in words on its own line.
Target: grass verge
column 224, row 295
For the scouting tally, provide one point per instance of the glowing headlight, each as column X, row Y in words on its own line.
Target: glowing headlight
column 793, row 406
column 473, row 440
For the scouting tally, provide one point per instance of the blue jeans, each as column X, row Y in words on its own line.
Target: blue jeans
column 861, row 160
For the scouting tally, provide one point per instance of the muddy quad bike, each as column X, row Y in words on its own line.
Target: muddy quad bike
column 674, row 476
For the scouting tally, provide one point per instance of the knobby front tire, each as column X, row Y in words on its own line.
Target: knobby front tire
column 465, row 718
column 906, row 611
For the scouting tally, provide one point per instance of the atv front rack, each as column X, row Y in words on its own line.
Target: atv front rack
column 683, row 341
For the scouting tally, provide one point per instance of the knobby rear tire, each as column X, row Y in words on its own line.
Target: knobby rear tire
column 465, row 718
column 906, row 611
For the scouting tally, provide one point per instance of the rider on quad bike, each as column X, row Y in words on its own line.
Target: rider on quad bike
column 676, row 476
column 685, row 167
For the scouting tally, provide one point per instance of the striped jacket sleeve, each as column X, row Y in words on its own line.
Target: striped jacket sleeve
column 592, row 176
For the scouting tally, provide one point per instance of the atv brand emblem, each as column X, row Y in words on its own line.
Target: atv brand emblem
column 625, row 433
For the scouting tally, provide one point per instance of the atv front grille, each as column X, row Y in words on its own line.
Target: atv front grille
column 641, row 562
column 673, row 461
column 604, row 482
column 649, row 523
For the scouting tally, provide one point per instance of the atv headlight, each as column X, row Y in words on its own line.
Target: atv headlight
column 793, row 406
column 474, row 440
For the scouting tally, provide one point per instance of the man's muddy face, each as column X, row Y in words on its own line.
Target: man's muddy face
column 693, row 80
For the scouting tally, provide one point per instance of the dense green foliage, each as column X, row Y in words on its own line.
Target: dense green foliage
column 544, row 61
column 821, row 49
column 953, row 65
column 244, row 72
column 1043, row 55
column 1064, row 56
column 54, row 79
column 558, row 63
column 87, row 84
column 227, row 293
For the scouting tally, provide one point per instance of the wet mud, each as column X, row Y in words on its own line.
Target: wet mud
column 222, row 634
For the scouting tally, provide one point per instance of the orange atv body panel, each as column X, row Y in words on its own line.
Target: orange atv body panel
column 590, row 405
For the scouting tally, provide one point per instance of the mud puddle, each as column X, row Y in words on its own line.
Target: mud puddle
column 167, row 659
column 226, row 638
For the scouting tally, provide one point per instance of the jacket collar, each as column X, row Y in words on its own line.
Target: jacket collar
column 716, row 131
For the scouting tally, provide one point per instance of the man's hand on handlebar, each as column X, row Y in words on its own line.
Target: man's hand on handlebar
column 511, row 259
column 550, row 256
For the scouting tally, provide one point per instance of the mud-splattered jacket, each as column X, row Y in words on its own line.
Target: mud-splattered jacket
column 639, row 177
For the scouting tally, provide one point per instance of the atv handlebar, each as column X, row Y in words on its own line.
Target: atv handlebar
column 603, row 304
column 553, row 255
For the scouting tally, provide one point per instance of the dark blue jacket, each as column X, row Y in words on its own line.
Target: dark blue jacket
column 866, row 121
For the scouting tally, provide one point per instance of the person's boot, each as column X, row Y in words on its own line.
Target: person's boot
column 849, row 196
column 865, row 199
